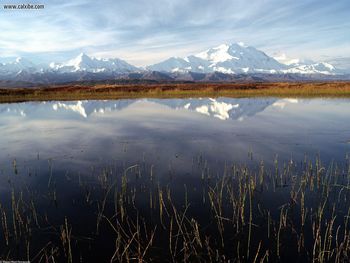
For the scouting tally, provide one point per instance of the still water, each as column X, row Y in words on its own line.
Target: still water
column 173, row 131
column 58, row 145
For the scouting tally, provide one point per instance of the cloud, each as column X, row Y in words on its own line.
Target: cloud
column 149, row 31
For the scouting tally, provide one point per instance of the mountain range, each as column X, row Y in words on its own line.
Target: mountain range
column 226, row 62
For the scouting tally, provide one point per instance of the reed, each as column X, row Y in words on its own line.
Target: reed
column 139, row 217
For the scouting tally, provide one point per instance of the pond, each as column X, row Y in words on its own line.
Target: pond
column 202, row 179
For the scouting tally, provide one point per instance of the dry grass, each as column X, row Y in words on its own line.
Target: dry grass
column 238, row 226
column 177, row 90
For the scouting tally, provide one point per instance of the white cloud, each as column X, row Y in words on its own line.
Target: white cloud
column 145, row 32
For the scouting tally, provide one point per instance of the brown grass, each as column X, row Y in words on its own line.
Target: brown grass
column 177, row 90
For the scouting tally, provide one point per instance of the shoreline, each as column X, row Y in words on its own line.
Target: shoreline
column 83, row 91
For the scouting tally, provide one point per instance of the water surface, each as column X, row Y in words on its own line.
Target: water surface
column 60, row 151
column 167, row 130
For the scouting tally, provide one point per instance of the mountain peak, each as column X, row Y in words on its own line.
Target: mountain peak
column 228, row 58
column 80, row 62
column 216, row 54
column 81, row 58
column 83, row 62
column 83, row 55
column 23, row 62
column 238, row 58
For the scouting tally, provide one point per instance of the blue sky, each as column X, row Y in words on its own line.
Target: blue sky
column 148, row 31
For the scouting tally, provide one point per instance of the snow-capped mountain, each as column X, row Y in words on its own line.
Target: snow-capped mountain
column 233, row 59
column 17, row 66
column 81, row 63
column 224, row 63
column 237, row 59
column 315, row 68
column 298, row 66
column 95, row 65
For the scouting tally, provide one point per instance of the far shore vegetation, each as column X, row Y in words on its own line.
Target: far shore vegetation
column 82, row 91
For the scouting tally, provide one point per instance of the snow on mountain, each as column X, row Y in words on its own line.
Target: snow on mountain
column 298, row 66
column 233, row 59
column 218, row 54
column 81, row 63
column 316, row 68
column 238, row 58
column 95, row 65
column 17, row 66
column 187, row 64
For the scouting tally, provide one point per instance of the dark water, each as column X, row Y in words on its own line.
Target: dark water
column 63, row 153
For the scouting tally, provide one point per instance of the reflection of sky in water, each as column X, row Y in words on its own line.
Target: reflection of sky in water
column 171, row 132
column 84, row 139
